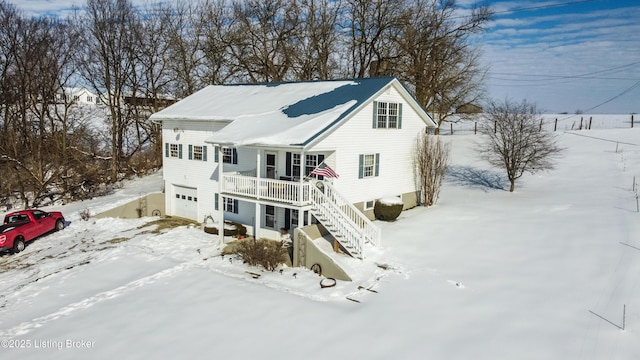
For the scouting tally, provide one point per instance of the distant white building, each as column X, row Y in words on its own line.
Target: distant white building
column 79, row 96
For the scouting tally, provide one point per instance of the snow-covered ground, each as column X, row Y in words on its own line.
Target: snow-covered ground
column 542, row 273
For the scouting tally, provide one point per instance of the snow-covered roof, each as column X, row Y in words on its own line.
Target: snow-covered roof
column 277, row 114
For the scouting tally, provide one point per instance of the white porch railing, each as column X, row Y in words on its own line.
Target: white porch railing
column 267, row 189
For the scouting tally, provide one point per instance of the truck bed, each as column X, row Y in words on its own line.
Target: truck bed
column 7, row 227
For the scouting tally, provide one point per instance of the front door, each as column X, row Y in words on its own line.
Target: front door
column 271, row 166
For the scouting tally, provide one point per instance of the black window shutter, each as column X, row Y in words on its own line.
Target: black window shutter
column 235, row 206
column 215, row 202
column 361, row 167
column 204, row 153
column 190, row 152
column 400, row 116
column 215, row 153
column 377, row 164
column 166, row 149
column 235, row 156
column 288, row 164
column 179, row 151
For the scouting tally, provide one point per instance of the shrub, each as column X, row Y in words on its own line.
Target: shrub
column 267, row 253
column 387, row 210
column 431, row 160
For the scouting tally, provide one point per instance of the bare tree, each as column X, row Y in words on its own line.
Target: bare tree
column 264, row 38
column 371, row 26
column 515, row 142
column 36, row 65
column 186, row 35
column 316, row 55
column 107, row 64
column 431, row 160
column 437, row 59
column 217, row 65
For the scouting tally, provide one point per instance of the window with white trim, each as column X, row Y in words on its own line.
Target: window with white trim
column 295, row 165
column 311, row 162
column 197, row 152
column 229, row 205
column 368, row 205
column 173, row 150
column 270, row 216
column 368, row 165
column 387, row 115
column 229, row 155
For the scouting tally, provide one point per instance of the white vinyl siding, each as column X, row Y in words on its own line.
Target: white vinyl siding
column 358, row 137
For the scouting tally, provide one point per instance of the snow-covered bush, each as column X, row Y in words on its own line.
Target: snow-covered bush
column 388, row 208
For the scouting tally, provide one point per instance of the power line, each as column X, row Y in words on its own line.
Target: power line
column 635, row 85
column 546, row 77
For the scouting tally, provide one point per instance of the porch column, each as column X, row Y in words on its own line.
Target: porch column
column 258, row 174
column 257, row 222
column 218, row 155
column 301, row 185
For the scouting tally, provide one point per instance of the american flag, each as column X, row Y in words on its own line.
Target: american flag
column 324, row 170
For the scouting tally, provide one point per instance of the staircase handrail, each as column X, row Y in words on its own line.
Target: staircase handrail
column 371, row 231
column 352, row 235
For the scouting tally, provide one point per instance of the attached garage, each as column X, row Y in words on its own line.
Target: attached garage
column 185, row 202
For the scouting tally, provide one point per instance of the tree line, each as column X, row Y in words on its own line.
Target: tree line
column 137, row 59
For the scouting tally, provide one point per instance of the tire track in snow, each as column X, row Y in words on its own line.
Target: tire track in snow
column 29, row 326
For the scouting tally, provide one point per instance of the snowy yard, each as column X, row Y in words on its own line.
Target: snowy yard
column 542, row 273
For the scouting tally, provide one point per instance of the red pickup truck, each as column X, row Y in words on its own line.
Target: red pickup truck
column 22, row 226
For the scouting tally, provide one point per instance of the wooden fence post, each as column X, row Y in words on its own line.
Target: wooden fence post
column 580, row 123
column 555, row 126
column 590, row 118
column 540, row 127
column 495, row 127
column 451, row 128
column 475, row 128
column 632, row 121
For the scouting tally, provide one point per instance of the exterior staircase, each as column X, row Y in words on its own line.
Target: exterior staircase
column 343, row 220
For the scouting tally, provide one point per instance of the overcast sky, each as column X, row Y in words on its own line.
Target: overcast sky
column 563, row 55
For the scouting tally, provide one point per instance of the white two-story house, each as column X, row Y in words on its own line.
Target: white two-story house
column 245, row 153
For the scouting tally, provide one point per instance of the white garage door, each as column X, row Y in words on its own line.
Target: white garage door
column 185, row 202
